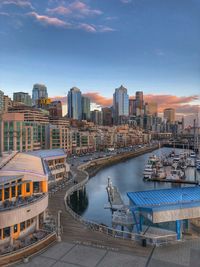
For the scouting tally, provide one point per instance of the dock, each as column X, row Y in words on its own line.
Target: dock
column 114, row 196
column 172, row 181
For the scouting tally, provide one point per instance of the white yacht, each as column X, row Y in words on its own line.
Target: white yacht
column 148, row 171
column 176, row 175
column 192, row 155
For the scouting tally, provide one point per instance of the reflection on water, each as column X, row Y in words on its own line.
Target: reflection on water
column 127, row 176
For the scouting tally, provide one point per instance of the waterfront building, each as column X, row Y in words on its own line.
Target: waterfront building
column 85, row 108
column 23, row 98
column 120, row 105
column 107, row 116
column 169, row 115
column 23, row 200
column 1, row 102
column 55, row 109
column 74, row 104
column 54, row 161
column 178, row 205
column 39, row 91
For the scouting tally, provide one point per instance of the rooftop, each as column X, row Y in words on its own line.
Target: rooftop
column 6, row 179
column 171, row 198
column 50, row 153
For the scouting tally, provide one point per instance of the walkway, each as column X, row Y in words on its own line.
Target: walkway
column 66, row 254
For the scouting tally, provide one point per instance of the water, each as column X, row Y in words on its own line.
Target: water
column 127, row 176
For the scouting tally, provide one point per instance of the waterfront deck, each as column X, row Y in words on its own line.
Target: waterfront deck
column 75, row 231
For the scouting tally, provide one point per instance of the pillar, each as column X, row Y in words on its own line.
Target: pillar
column 37, row 222
column 141, row 219
column 11, row 235
column 178, row 229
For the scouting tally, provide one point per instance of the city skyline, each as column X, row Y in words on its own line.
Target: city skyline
column 96, row 46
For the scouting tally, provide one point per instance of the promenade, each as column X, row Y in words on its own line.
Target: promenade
column 82, row 247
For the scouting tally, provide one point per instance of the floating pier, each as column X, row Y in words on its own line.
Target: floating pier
column 114, row 197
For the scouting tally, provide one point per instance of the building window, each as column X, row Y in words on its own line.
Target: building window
column 15, row 228
column 13, row 191
column 0, row 194
column 6, row 232
column 28, row 188
column 28, row 223
column 19, row 190
column 36, row 187
column 22, row 226
column 6, row 193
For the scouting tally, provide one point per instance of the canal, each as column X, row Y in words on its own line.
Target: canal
column 127, row 176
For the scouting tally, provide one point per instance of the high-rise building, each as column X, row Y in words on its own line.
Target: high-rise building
column 23, row 98
column 139, row 103
column 85, row 108
column 107, row 116
column 39, row 91
column 96, row 117
column 132, row 107
column 55, row 109
column 74, row 104
column 169, row 115
column 120, row 105
column 1, row 101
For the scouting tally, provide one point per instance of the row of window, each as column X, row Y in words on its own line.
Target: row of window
column 6, row 232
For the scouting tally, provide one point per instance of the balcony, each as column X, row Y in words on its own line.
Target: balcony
column 22, row 210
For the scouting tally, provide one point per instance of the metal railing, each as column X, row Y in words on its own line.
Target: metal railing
column 93, row 226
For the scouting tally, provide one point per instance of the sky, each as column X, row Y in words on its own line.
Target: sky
column 97, row 45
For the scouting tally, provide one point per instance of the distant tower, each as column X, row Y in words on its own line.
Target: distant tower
column 85, row 108
column 23, row 98
column 74, row 104
column 120, row 105
column 39, row 91
column 139, row 103
column 169, row 115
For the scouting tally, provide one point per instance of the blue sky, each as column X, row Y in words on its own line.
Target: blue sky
column 97, row 45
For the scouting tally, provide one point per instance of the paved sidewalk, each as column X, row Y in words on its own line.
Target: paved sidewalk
column 67, row 254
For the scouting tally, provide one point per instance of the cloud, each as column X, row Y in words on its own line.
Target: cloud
column 178, row 102
column 45, row 20
column 87, row 27
column 126, row 1
column 75, row 9
column 99, row 99
column 19, row 3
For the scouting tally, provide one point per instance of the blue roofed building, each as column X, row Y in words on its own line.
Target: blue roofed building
column 177, row 205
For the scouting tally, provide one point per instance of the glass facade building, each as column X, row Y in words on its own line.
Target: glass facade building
column 74, row 104
column 120, row 105
column 39, row 91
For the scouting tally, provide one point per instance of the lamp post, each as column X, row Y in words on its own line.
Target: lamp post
column 59, row 227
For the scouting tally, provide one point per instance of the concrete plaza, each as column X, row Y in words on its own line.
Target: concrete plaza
column 66, row 254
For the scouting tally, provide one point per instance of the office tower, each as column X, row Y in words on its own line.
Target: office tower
column 132, row 107
column 120, row 105
column 152, row 108
column 85, row 108
column 139, row 102
column 55, row 109
column 1, row 102
column 74, row 104
column 169, row 115
column 107, row 116
column 23, row 98
column 96, row 117
column 39, row 91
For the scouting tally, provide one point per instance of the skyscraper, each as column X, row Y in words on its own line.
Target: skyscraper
column 139, row 102
column 120, row 105
column 85, row 108
column 22, row 97
column 107, row 116
column 74, row 104
column 169, row 115
column 39, row 91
